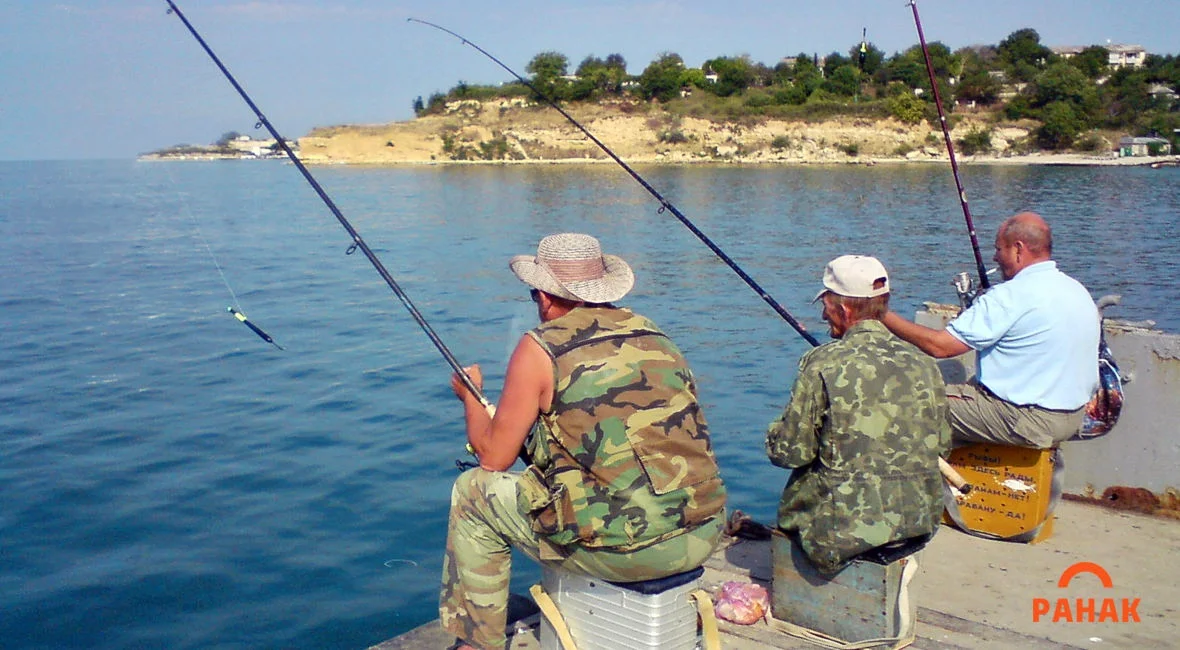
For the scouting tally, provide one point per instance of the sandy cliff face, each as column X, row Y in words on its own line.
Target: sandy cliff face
column 514, row 130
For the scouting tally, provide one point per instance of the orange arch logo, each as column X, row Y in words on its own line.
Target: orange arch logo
column 1085, row 610
column 1085, row 567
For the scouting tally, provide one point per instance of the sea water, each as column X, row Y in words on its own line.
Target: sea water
column 170, row 480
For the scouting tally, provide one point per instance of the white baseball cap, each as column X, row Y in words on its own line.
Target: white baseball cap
column 854, row 276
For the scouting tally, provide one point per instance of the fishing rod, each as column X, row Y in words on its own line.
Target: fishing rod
column 950, row 149
column 664, row 203
column 357, row 242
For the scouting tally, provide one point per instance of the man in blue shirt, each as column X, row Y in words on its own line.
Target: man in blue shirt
column 1037, row 336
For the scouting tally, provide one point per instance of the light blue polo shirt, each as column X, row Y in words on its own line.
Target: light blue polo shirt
column 1037, row 337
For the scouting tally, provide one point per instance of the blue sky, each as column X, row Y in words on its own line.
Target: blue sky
column 114, row 78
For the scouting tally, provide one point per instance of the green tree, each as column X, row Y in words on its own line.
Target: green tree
column 1023, row 53
column 834, row 61
column 844, row 81
column 1063, row 83
column 734, row 75
column 694, row 77
column 602, row 75
column 909, row 67
column 806, row 76
column 1094, row 61
column 419, row 106
column 1125, row 97
column 593, row 77
column 783, row 72
column 547, row 69
column 761, row 74
column 661, row 78
column 227, row 137
column 873, row 58
column 548, row 65
column 976, row 83
column 1060, row 125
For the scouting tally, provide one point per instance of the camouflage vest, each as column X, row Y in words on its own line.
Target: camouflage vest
column 623, row 458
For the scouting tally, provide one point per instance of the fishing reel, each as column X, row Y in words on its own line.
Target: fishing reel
column 965, row 286
column 967, row 289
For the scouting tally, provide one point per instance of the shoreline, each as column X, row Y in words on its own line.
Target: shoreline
column 1036, row 159
column 506, row 133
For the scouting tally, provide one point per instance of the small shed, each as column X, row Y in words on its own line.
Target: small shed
column 1144, row 146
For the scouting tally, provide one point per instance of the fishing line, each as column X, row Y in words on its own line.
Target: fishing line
column 984, row 283
column 357, row 242
column 664, row 203
column 236, row 309
column 201, row 235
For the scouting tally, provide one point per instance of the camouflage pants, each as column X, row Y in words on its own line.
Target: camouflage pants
column 485, row 523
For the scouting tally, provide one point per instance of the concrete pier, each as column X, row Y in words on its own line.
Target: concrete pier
column 976, row 593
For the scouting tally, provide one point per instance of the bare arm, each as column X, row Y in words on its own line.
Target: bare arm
column 528, row 388
column 939, row 344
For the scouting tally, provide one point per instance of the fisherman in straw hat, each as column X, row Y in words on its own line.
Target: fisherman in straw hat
column 863, row 431
column 621, row 481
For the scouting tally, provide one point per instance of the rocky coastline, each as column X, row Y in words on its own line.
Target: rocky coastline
column 517, row 132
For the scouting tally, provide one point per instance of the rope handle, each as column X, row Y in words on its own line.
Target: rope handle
column 549, row 610
column 712, row 637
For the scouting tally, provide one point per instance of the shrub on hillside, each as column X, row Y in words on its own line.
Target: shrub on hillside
column 1092, row 142
column 976, row 141
column 672, row 136
column 906, row 108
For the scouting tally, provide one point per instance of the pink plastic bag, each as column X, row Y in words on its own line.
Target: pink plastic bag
column 743, row 603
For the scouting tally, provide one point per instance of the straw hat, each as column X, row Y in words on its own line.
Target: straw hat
column 572, row 266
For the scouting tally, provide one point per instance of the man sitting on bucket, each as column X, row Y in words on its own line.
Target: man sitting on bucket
column 623, row 483
column 864, row 429
column 1037, row 335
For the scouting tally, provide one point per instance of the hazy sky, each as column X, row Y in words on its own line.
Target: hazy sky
column 114, row 78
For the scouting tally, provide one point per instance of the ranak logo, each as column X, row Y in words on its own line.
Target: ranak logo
column 1087, row 610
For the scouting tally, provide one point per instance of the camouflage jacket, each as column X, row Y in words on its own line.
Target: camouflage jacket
column 623, row 458
column 863, row 431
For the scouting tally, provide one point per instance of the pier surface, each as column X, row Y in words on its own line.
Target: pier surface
column 976, row 593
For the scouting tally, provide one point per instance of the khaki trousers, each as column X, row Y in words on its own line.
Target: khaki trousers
column 979, row 416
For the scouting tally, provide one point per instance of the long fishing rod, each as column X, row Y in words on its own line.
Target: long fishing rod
column 950, row 149
column 664, row 203
column 357, row 242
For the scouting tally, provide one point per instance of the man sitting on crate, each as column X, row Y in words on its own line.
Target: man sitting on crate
column 622, row 484
column 1037, row 335
column 864, row 429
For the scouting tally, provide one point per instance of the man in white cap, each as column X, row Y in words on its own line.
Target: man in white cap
column 622, row 484
column 1037, row 335
column 864, row 429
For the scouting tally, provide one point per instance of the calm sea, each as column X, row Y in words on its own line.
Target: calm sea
column 169, row 480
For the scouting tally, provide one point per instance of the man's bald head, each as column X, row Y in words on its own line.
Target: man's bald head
column 1023, row 240
column 1031, row 229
